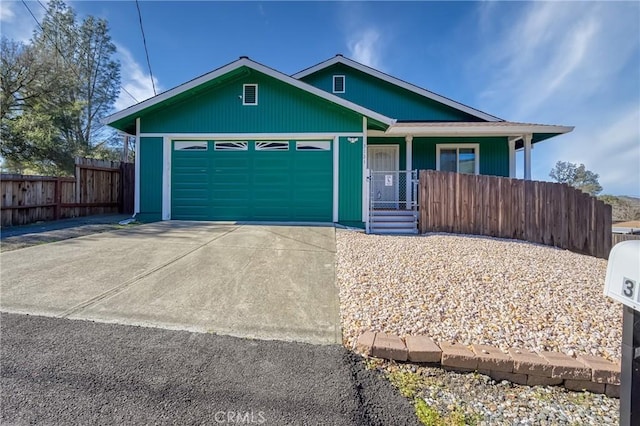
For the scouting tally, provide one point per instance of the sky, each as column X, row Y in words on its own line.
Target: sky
column 567, row 63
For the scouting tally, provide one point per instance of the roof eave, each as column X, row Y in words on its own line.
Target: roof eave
column 475, row 130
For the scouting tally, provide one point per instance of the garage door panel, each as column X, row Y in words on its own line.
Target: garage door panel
column 259, row 185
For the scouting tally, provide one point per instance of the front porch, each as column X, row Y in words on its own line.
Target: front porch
column 480, row 148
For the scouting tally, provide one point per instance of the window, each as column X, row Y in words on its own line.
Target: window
column 313, row 146
column 249, row 94
column 231, row 146
column 190, row 146
column 272, row 146
column 338, row 84
column 459, row 158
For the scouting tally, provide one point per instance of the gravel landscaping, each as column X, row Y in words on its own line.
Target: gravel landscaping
column 474, row 399
column 471, row 289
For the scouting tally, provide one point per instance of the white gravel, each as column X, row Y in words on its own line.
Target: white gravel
column 473, row 289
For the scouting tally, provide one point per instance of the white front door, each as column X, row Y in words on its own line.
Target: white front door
column 384, row 186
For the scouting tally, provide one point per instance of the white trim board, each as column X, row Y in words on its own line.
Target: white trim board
column 336, row 178
column 246, row 62
column 464, row 129
column 249, row 136
column 339, row 59
column 365, row 177
column 166, row 178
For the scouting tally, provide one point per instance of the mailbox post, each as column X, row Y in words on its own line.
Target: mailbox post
column 622, row 283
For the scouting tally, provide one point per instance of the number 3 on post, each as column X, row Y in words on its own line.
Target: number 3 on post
column 628, row 288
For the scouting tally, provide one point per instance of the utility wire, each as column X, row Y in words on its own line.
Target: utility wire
column 60, row 52
column 146, row 52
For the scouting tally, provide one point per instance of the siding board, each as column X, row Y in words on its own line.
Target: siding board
column 384, row 97
column 281, row 109
column 350, row 182
column 151, row 165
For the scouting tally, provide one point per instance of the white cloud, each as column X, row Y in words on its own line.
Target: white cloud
column 366, row 41
column 17, row 22
column 568, row 63
column 134, row 79
column 6, row 12
column 364, row 47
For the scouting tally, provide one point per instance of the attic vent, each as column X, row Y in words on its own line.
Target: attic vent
column 249, row 94
column 338, row 84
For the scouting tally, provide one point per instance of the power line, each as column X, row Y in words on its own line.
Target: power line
column 60, row 52
column 146, row 52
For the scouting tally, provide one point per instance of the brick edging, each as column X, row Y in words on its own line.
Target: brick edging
column 584, row 373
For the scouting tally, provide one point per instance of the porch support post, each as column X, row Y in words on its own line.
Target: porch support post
column 409, row 166
column 512, row 155
column 527, row 156
column 409, row 140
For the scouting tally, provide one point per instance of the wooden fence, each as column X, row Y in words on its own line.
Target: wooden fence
column 541, row 212
column 618, row 238
column 98, row 187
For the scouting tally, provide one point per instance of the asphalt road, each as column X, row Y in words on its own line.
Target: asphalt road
column 59, row 371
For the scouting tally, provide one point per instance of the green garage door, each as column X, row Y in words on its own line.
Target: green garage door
column 252, row 180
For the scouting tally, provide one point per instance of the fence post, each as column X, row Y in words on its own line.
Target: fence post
column 57, row 198
column 422, row 199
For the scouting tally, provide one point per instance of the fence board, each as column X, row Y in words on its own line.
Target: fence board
column 97, row 188
column 618, row 238
column 541, row 212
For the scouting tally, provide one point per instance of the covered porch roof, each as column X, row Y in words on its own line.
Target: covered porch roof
column 519, row 135
column 515, row 131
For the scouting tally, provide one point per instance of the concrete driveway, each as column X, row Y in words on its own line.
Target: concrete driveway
column 266, row 282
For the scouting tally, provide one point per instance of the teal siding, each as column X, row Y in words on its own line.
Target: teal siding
column 350, row 182
column 393, row 141
column 150, row 179
column 252, row 185
column 384, row 97
column 217, row 108
column 494, row 153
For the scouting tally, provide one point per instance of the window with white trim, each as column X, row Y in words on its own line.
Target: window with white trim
column 338, row 84
column 313, row 146
column 231, row 146
column 272, row 146
column 249, row 94
column 190, row 145
column 459, row 158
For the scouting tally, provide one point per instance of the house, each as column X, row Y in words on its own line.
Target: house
column 336, row 142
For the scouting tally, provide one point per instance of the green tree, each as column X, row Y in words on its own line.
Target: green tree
column 55, row 90
column 577, row 176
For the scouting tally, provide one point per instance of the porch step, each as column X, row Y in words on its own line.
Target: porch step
column 393, row 222
column 404, row 218
column 382, row 231
column 392, row 213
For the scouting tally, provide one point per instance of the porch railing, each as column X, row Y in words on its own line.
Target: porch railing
column 393, row 199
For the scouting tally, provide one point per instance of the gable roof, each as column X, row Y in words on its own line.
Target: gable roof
column 246, row 62
column 339, row 59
